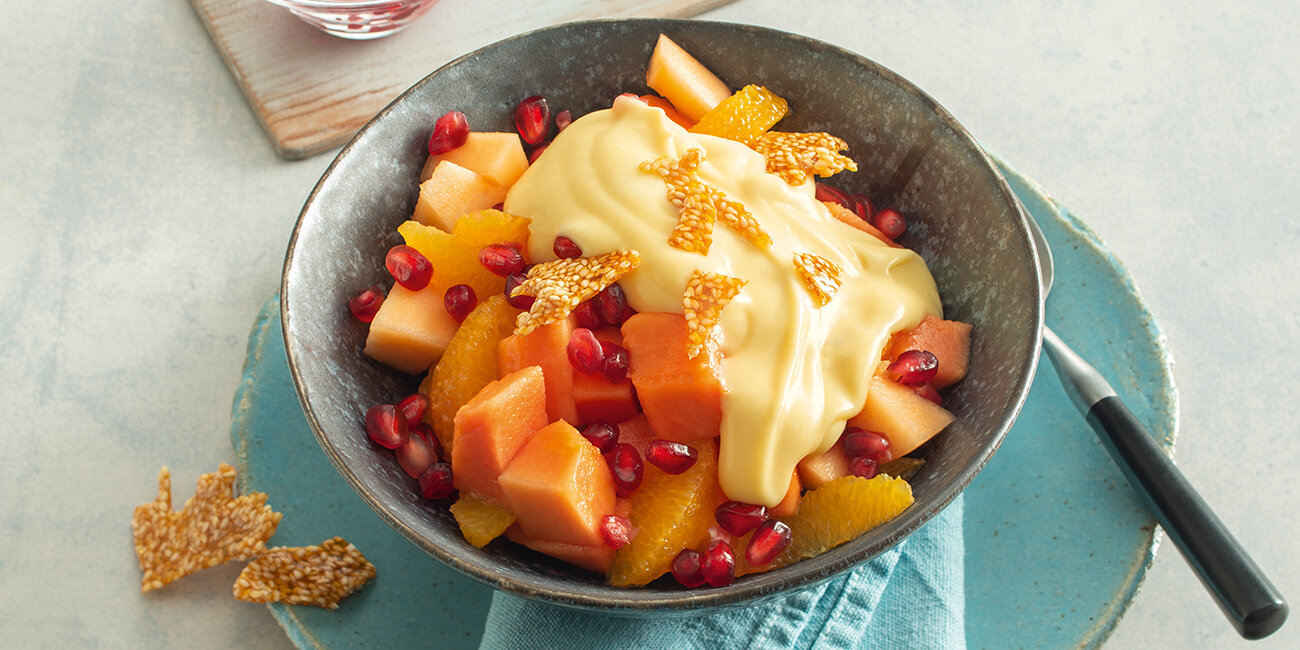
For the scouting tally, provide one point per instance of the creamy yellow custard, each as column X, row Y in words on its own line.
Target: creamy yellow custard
column 792, row 372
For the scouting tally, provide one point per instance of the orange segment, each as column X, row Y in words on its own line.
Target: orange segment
column 750, row 112
column 469, row 363
column 671, row 512
column 480, row 520
column 840, row 511
column 454, row 255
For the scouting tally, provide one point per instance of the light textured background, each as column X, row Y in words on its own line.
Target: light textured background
column 144, row 218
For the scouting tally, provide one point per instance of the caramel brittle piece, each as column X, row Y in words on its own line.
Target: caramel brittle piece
column 794, row 156
column 310, row 575
column 699, row 205
column 559, row 285
column 706, row 294
column 214, row 527
column 820, row 275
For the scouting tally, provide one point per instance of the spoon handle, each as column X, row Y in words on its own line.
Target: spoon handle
column 1239, row 587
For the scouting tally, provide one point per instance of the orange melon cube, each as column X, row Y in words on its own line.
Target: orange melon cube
column 683, row 80
column 789, row 504
column 947, row 340
column 411, row 330
column 492, row 427
column 816, row 471
column 452, row 191
column 498, row 157
column 596, row 398
column 547, row 347
column 900, row 414
column 681, row 396
column 596, row 558
column 559, row 487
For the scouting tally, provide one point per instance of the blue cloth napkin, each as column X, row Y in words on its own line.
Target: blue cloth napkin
column 911, row 596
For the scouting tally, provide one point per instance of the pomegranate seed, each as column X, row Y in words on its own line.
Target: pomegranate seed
column 913, row 367
column 719, row 565
column 435, row 482
column 928, row 391
column 386, row 426
column 532, row 118
column 585, row 352
column 768, row 541
column 616, row 531
column 431, row 438
column 418, row 453
column 827, row 193
column 611, row 304
column 411, row 269
column 535, row 152
column 413, row 408
column 891, row 223
column 562, row 120
column 868, row 444
column 449, row 132
column 717, row 533
column 603, row 436
column 738, row 518
column 587, row 315
column 502, row 259
column 566, row 248
column 459, row 301
column 687, row 569
column 862, row 205
column 366, row 304
column 671, row 457
column 522, row 301
column 864, row 467
column 625, row 462
column 616, row 361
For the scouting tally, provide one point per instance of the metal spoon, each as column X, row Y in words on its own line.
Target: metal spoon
column 1241, row 590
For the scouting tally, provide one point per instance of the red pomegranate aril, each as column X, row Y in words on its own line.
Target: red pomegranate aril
column 913, row 367
column 459, row 301
column 408, row 267
column 386, row 426
column 611, row 303
column 827, row 193
column 449, row 132
column 535, row 152
column 891, row 223
column 435, row 482
column 928, row 391
column 521, row 301
column 562, row 120
column 625, row 462
column 868, row 444
column 671, row 457
column 585, row 352
column 616, row 361
column 532, row 119
column 687, row 569
column 502, row 259
column 366, row 304
column 738, row 518
column 418, row 453
column 616, row 531
column 566, row 248
column 413, row 408
column 863, row 207
column 768, row 541
column 603, row 436
column 864, row 467
column 587, row 315
column 719, row 565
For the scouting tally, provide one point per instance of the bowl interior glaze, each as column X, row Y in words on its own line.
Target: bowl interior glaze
column 911, row 154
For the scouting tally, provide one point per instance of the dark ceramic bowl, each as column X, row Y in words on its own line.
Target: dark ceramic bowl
column 912, row 154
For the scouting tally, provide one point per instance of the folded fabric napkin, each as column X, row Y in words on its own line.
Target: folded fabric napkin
column 911, row 596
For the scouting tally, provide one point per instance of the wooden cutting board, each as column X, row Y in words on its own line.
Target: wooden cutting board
column 312, row 91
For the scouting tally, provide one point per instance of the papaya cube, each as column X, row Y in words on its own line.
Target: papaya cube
column 681, row 396
column 683, row 80
column 947, row 340
column 452, row 191
column 596, row 558
column 498, row 157
column 547, row 347
column 789, row 505
column 492, row 427
column 816, row 471
column 559, row 487
column 596, row 398
column 411, row 330
column 900, row 414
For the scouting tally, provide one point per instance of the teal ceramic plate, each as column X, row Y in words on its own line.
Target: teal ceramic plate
column 1057, row 544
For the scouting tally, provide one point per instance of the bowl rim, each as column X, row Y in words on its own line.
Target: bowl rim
column 756, row 587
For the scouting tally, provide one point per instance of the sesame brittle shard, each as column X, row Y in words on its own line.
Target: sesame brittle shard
column 820, row 275
column 559, row 285
column 214, row 527
column 705, row 296
column 794, row 156
column 699, row 205
column 310, row 575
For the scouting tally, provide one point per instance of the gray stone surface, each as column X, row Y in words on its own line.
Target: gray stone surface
column 145, row 217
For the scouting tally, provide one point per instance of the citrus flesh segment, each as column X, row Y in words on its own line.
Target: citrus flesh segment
column 480, row 520
column 469, row 363
column 841, row 511
column 454, row 255
column 745, row 115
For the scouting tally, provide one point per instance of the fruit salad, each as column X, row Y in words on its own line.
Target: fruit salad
column 652, row 342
